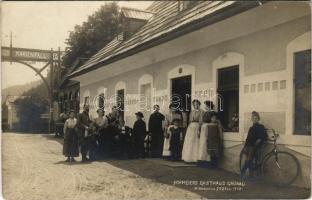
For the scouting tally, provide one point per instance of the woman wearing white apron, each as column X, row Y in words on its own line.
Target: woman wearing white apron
column 191, row 141
column 173, row 114
column 203, row 154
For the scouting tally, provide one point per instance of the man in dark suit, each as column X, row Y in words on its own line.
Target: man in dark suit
column 155, row 127
column 139, row 133
column 83, row 122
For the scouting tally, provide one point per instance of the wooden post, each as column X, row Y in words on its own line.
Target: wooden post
column 51, row 93
column 11, row 48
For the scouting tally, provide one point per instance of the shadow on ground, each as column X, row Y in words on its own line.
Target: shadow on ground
column 155, row 170
column 172, row 175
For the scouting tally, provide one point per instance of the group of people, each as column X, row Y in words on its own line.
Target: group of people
column 200, row 141
column 104, row 137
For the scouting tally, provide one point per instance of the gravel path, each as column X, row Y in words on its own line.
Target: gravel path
column 33, row 168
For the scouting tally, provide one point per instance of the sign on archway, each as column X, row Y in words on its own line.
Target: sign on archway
column 23, row 55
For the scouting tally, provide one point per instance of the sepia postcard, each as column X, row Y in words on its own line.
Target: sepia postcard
column 127, row 100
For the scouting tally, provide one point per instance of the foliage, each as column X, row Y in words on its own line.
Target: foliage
column 86, row 39
column 30, row 109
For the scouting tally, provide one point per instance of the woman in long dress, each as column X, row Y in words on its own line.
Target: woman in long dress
column 191, row 141
column 203, row 154
column 70, row 146
column 174, row 113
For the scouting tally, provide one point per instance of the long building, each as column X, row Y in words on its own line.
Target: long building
column 242, row 55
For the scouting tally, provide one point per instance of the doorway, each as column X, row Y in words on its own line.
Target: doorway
column 181, row 91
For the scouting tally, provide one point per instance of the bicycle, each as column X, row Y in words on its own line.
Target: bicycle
column 278, row 167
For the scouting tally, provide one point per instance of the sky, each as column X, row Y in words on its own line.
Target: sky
column 43, row 25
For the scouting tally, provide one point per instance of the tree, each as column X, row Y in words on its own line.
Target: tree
column 86, row 39
column 29, row 109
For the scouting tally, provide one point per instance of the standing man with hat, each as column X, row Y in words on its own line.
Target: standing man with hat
column 83, row 122
column 139, row 133
column 155, row 127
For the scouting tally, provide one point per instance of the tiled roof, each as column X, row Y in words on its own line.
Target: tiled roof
column 136, row 14
column 166, row 20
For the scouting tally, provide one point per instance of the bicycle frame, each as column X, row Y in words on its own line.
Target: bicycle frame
column 275, row 146
column 274, row 150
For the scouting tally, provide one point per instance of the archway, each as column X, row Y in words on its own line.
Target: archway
column 49, row 57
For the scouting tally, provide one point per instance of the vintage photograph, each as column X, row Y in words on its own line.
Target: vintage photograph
column 127, row 100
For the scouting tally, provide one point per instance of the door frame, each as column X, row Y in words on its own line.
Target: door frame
column 171, row 84
column 178, row 72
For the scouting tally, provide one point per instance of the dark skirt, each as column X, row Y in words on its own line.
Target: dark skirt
column 175, row 143
column 70, row 146
column 214, row 140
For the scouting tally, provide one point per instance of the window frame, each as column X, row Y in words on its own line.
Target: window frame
column 225, row 69
column 222, row 61
column 294, row 131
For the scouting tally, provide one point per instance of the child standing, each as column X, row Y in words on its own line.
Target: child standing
column 256, row 137
column 175, row 140
column 214, row 140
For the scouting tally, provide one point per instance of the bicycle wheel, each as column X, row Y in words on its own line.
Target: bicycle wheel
column 280, row 168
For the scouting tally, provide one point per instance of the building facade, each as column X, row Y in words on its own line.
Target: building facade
column 243, row 56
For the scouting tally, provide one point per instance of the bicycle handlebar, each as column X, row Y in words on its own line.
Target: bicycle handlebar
column 275, row 135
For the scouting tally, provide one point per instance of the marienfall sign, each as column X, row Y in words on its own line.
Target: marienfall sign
column 28, row 54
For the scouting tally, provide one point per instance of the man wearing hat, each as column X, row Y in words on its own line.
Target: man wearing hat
column 83, row 122
column 139, row 133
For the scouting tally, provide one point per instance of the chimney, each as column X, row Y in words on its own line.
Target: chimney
column 133, row 19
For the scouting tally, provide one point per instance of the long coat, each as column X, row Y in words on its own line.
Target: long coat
column 139, row 129
column 83, row 120
column 155, row 123
column 155, row 127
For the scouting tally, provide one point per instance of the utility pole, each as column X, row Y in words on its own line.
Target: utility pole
column 11, row 45
column 51, row 92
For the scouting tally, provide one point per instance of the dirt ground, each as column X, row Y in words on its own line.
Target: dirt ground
column 34, row 168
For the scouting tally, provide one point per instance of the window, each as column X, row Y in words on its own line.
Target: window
column 70, row 101
column 86, row 100
column 260, row 87
column 66, row 102
column 101, row 101
column 76, row 101
column 62, row 106
column 302, row 87
column 228, row 90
